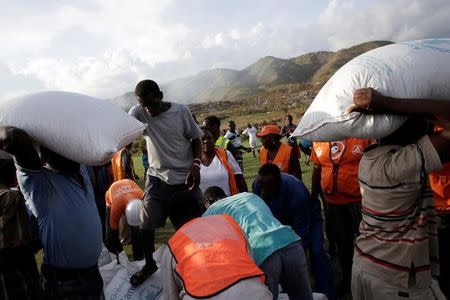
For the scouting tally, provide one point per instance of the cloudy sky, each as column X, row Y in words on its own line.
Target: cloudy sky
column 103, row 47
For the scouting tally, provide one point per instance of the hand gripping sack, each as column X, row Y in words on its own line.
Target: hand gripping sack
column 417, row 69
column 82, row 128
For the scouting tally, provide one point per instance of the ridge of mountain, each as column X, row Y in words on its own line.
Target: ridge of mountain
column 265, row 74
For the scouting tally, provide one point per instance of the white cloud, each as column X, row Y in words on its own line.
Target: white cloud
column 104, row 47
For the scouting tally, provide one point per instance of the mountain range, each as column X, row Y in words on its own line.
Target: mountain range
column 266, row 73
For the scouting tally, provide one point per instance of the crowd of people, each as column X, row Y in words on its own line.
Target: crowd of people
column 388, row 229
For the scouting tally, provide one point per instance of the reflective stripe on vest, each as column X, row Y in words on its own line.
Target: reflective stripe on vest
column 211, row 255
column 222, row 142
column 282, row 158
column 117, row 168
column 222, row 155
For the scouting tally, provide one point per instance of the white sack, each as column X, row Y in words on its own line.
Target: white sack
column 116, row 280
column 82, row 128
column 417, row 69
column 105, row 256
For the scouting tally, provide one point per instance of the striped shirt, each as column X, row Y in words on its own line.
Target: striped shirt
column 398, row 229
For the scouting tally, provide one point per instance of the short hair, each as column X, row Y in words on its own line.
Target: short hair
column 213, row 193
column 270, row 170
column 7, row 172
column 289, row 116
column 213, row 120
column 183, row 207
column 146, row 87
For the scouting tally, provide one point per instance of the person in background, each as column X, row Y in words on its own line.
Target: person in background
column 219, row 168
column 122, row 165
column 335, row 176
column 277, row 153
column 61, row 197
column 251, row 131
column 192, row 271
column 174, row 164
column 234, row 137
column 290, row 202
column 286, row 131
column 123, row 168
column 144, row 159
column 19, row 275
column 212, row 123
column 396, row 254
column 306, row 147
column 277, row 249
column 118, row 196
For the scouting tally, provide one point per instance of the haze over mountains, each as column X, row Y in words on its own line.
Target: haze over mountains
column 265, row 73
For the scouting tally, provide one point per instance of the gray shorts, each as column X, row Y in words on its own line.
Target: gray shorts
column 156, row 196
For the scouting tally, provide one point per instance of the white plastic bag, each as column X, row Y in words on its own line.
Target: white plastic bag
column 417, row 69
column 82, row 128
column 116, row 280
column 105, row 257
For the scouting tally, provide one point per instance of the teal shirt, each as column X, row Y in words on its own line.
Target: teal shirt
column 265, row 234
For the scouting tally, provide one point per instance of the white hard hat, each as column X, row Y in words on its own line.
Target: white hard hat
column 133, row 212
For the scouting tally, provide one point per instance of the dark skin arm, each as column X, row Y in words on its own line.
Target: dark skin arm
column 369, row 101
column 294, row 166
column 315, row 181
column 193, row 177
column 241, row 184
column 20, row 145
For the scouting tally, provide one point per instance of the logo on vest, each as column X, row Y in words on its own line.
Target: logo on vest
column 357, row 149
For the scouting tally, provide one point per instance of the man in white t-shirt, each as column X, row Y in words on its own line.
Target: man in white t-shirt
column 251, row 132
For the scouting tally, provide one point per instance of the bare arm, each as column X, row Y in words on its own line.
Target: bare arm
column 20, row 145
column 193, row 177
column 368, row 100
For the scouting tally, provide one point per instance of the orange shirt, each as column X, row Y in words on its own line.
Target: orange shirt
column 117, row 197
column 339, row 162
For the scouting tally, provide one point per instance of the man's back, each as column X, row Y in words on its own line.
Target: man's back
column 69, row 223
column 264, row 232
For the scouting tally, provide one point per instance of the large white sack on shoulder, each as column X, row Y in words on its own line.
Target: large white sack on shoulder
column 417, row 69
column 82, row 128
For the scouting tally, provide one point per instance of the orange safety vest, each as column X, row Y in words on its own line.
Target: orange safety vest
column 440, row 184
column 118, row 168
column 222, row 155
column 211, row 255
column 282, row 158
column 339, row 162
column 117, row 197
